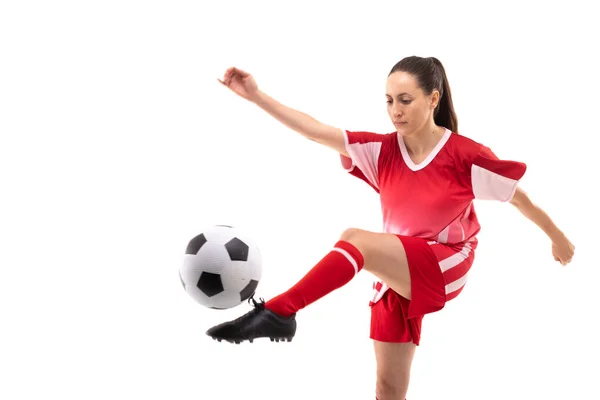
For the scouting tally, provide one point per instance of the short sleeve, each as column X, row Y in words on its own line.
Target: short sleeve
column 493, row 178
column 364, row 149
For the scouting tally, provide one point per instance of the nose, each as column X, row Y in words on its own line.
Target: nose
column 397, row 111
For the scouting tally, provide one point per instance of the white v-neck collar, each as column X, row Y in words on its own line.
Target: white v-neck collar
column 409, row 162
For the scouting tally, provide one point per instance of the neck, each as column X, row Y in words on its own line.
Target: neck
column 424, row 140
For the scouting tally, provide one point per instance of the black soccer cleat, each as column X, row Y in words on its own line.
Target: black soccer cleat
column 257, row 323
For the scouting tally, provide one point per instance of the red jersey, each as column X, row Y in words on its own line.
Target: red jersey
column 433, row 199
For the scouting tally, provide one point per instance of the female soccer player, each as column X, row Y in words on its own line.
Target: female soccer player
column 427, row 176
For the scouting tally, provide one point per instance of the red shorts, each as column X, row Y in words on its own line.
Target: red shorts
column 397, row 319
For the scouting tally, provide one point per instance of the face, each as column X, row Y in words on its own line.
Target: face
column 408, row 106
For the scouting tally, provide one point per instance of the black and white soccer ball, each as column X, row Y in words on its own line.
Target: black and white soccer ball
column 222, row 267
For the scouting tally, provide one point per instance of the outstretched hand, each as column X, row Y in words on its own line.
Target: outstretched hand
column 563, row 250
column 240, row 82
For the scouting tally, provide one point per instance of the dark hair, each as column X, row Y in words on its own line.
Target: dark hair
column 430, row 74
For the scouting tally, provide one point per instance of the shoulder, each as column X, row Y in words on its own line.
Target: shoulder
column 491, row 177
column 464, row 147
column 468, row 153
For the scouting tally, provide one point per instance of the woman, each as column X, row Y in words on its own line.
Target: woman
column 427, row 176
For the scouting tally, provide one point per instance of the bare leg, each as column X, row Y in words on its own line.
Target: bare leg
column 385, row 258
column 394, row 361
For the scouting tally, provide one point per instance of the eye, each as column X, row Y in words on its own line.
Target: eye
column 406, row 101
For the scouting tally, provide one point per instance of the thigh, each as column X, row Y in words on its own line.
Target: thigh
column 384, row 256
column 394, row 361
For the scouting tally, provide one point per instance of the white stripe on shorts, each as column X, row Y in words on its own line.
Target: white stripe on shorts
column 455, row 259
column 457, row 284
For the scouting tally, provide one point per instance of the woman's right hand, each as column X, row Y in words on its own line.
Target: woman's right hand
column 240, row 82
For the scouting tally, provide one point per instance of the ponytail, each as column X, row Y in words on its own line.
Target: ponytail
column 444, row 114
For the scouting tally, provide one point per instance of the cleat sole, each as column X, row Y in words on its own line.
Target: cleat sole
column 251, row 340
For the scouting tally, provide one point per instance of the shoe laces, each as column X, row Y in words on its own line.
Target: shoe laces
column 258, row 305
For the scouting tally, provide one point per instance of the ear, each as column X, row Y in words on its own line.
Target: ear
column 435, row 99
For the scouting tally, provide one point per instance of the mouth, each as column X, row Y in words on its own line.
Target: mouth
column 399, row 123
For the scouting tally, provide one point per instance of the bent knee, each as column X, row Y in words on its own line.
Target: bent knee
column 372, row 243
column 387, row 389
column 352, row 234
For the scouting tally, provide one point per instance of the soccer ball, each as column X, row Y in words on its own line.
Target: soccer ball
column 222, row 267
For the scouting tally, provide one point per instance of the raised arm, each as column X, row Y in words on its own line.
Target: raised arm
column 562, row 248
column 244, row 85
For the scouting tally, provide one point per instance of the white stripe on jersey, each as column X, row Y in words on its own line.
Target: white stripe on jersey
column 443, row 236
column 365, row 156
column 488, row 185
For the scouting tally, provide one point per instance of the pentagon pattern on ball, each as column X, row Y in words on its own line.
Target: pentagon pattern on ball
column 195, row 244
column 248, row 290
column 238, row 250
column 210, row 284
column 221, row 268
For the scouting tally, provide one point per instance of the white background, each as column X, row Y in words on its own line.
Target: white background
column 118, row 145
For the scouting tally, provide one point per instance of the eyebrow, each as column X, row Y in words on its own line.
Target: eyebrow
column 401, row 94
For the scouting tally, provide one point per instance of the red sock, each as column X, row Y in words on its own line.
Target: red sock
column 336, row 269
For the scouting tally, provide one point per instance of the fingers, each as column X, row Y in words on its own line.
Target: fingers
column 563, row 262
column 228, row 77
column 239, row 72
column 231, row 73
column 563, row 255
